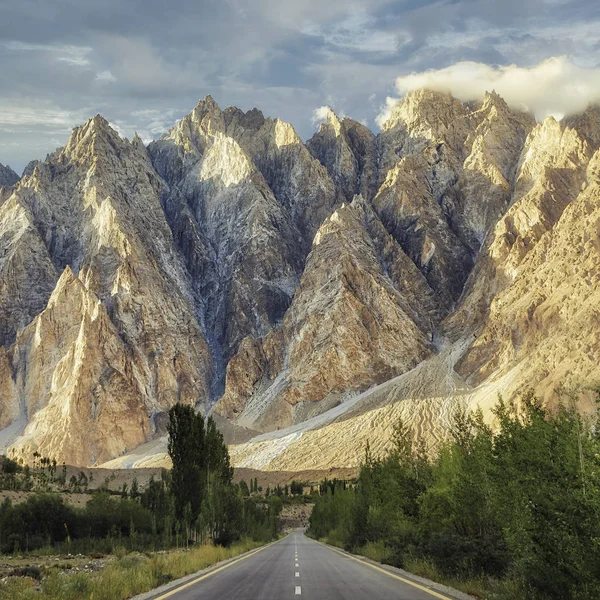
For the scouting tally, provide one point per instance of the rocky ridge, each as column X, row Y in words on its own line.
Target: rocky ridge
column 7, row 176
column 327, row 287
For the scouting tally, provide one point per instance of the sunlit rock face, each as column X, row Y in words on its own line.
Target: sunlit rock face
column 533, row 295
column 232, row 267
column 78, row 381
column 361, row 314
column 93, row 209
column 243, row 245
column 527, row 318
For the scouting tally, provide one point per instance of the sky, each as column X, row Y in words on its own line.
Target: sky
column 143, row 64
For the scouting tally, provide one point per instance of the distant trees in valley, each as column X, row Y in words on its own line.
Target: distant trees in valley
column 195, row 502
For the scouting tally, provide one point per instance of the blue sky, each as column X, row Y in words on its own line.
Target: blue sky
column 145, row 63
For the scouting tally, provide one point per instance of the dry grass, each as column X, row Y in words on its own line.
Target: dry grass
column 425, row 568
column 122, row 578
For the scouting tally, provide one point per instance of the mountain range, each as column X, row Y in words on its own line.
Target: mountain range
column 308, row 295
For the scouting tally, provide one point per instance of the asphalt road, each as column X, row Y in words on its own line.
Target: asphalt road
column 298, row 566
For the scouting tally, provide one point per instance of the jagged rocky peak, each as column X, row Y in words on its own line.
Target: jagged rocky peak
column 94, row 139
column 236, row 118
column 426, row 115
column 587, row 124
column 347, row 149
column 493, row 100
column 432, row 124
column 30, row 167
column 92, row 128
column 7, row 176
column 483, row 191
column 90, row 407
column 207, row 118
column 361, row 314
column 94, row 207
column 242, row 248
column 206, row 112
column 426, row 118
column 551, row 145
column 298, row 273
column 331, row 122
column 271, row 148
column 138, row 143
column 186, row 142
column 491, row 120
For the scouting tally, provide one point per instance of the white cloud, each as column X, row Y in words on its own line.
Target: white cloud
column 73, row 55
column 556, row 86
column 106, row 77
column 118, row 128
column 320, row 115
column 155, row 122
column 385, row 111
column 26, row 116
column 356, row 32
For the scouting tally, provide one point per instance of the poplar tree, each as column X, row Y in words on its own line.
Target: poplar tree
column 186, row 448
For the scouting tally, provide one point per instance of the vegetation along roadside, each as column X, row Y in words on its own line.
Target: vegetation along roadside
column 508, row 513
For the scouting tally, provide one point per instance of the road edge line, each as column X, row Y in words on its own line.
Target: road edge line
column 169, row 589
column 421, row 583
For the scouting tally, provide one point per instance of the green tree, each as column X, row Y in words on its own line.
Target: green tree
column 186, row 447
column 134, row 493
column 244, row 489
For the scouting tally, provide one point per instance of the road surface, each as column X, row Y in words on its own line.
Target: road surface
column 298, row 568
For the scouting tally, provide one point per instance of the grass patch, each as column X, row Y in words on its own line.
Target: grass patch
column 479, row 588
column 425, row 568
column 376, row 551
column 123, row 578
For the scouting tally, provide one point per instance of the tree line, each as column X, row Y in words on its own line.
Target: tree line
column 515, row 507
column 195, row 502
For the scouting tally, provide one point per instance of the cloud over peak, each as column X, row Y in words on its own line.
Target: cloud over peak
column 556, row 86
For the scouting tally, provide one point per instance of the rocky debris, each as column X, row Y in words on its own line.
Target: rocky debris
column 38, row 568
column 7, row 176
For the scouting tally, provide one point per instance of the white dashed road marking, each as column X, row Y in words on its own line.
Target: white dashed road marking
column 297, row 589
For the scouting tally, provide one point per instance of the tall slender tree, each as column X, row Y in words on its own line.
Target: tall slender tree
column 186, row 448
